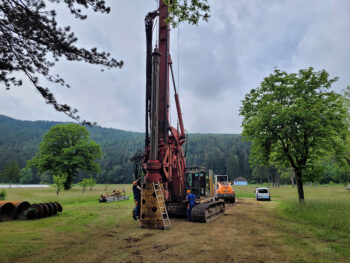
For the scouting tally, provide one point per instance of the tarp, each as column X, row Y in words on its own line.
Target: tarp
column 23, row 185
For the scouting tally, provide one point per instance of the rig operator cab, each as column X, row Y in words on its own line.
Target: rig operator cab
column 197, row 180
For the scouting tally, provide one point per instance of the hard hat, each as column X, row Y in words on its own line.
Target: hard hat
column 188, row 191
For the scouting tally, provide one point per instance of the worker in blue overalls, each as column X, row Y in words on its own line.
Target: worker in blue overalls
column 137, row 198
column 191, row 198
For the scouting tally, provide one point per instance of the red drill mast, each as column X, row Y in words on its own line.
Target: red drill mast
column 164, row 158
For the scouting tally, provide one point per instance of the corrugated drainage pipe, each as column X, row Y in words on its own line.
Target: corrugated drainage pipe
column 7, row 211
column 21, row 206
column 40, row 210
column 59, row 207
column 55, row 208
column 50, row 209
column 45, row 209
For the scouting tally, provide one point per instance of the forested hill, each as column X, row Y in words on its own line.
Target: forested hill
column 224, row 153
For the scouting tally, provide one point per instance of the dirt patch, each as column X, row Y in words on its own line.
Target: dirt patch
column 249, row 232
column 108, row 235
column 131, row 239
column 161, row 248
column 148, row 235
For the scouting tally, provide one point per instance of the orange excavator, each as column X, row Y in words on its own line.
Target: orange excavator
column 223, row 189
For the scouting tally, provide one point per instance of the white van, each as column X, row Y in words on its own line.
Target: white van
column 262, row 193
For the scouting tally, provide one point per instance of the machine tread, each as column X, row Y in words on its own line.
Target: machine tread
column 206, row 212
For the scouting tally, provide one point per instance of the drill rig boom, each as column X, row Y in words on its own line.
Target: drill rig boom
column 164, row 160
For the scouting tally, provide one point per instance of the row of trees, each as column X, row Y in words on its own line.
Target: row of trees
column 225, row 154
column 220, row 152
column 64, row 151
column 13, row 174
column 19, row 141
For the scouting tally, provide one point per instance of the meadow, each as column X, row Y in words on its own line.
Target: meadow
column 278, row 231
column 325, row 214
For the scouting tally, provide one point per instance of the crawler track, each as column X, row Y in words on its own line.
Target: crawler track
column 206, row 212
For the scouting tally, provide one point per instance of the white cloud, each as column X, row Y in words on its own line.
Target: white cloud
column 220, row 61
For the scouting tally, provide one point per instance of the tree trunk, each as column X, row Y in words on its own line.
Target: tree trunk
column 58, row 190
column 292, row 180
column 68, row 182
column 299, row 178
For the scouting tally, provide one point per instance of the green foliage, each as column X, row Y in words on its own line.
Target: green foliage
column 26, row 176
column 87, row 182
column 287, row 175
column 342, row 155
column 2, row 195
column 191, row 11
column 260, row 174
column 232, row 163
column 292, row 120
column 84, row 183
column 59, row 181
column 343, row 175
column 45, row 178
column 66, row 149
column 91, row 183
column 11, row 172
column 20, row 140
column 217, row 152
column 33, row 42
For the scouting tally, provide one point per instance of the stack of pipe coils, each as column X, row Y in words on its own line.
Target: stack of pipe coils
column 24, row 210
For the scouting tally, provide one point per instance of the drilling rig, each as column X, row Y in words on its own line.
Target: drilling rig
column 166, row 180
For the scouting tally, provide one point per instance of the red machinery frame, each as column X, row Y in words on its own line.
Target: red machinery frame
column 168, row 164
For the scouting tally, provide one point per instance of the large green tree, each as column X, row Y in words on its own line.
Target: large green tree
column 293, row 120
column 65, row 150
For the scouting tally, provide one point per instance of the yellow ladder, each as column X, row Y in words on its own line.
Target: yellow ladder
column 162, row 207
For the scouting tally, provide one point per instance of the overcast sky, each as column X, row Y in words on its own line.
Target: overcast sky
column 219, row 61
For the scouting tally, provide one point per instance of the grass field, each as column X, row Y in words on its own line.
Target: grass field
column 325, row 214
column 277, row 231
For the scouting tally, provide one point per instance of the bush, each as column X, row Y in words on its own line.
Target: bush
column 2, row 195
column 84, row 183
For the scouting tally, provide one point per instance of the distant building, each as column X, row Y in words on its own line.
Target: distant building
column 240, row 181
